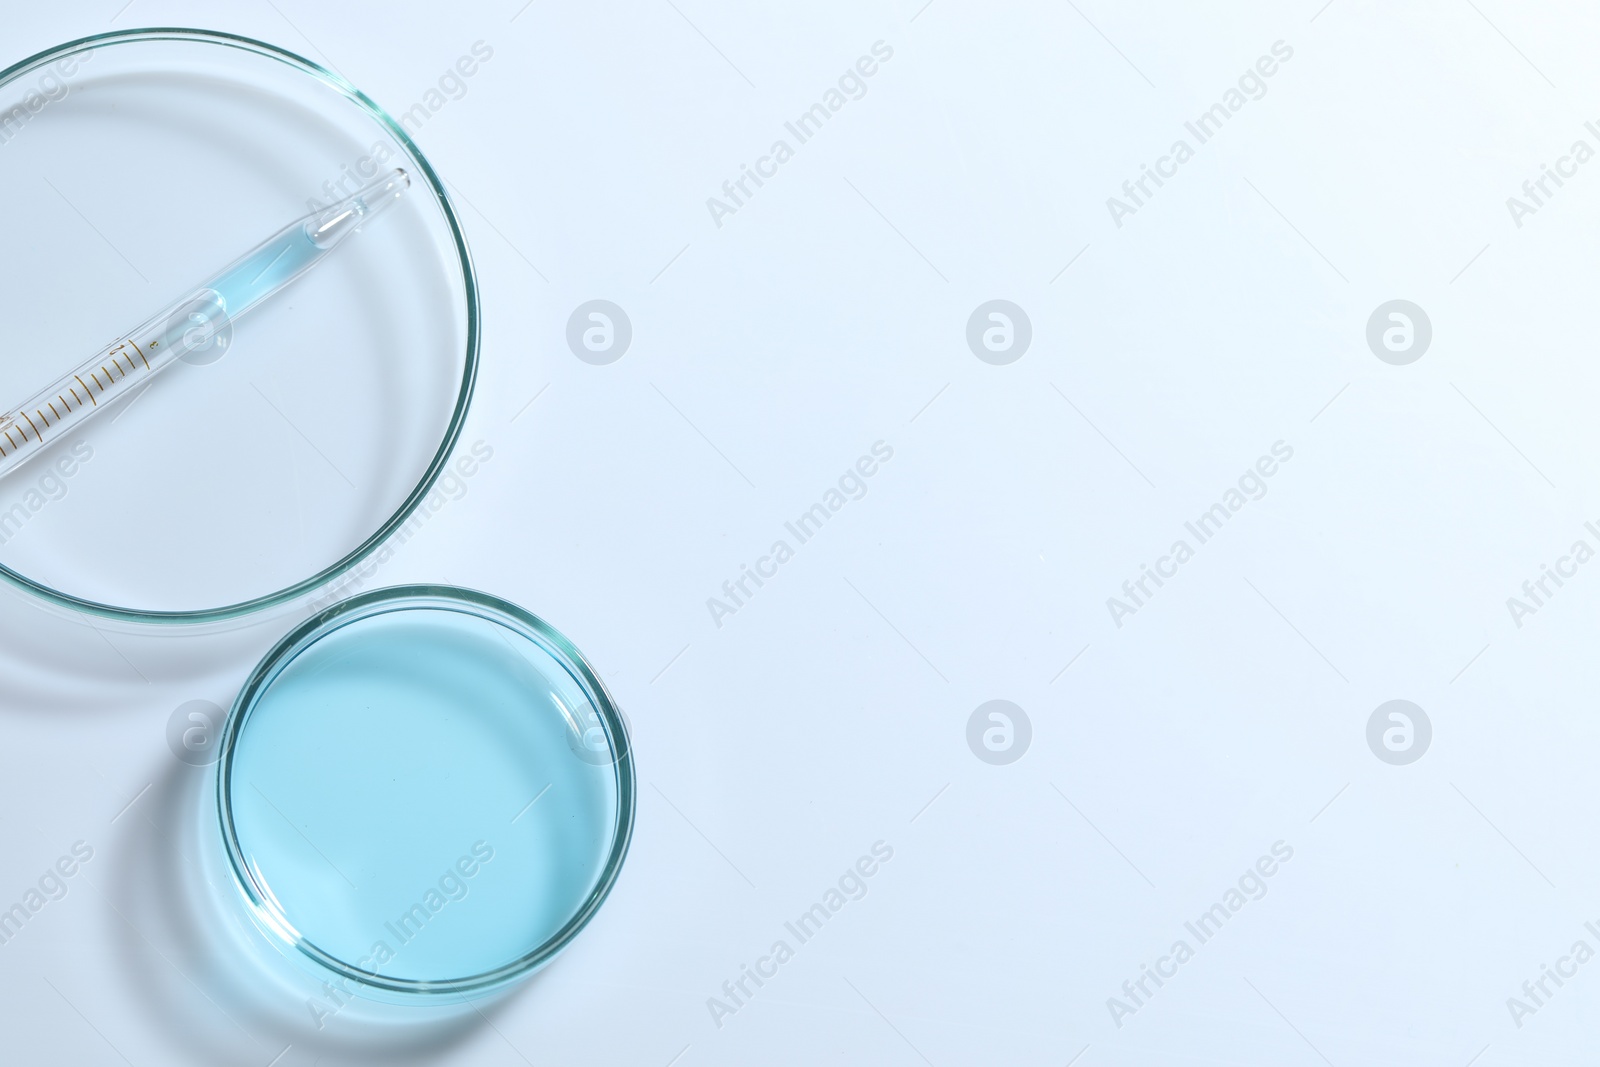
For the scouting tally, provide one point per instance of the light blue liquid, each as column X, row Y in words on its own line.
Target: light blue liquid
column 381, row 790
column 269, row 267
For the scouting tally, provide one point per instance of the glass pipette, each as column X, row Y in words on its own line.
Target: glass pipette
column 188, row 326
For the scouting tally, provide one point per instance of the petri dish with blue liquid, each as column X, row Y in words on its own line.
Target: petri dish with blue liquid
column 424, row 791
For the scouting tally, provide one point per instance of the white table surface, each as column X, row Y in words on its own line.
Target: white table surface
column 829, row 712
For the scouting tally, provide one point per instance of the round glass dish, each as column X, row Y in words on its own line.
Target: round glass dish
column 424, row 791
column 138, row 163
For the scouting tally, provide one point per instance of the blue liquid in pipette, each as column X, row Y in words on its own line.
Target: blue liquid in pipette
column 254, row 278
column 410, row 792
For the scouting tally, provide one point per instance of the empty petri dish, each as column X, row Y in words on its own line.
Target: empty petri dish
column 286, row 449
column 424, row 792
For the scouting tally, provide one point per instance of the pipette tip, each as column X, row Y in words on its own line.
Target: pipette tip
column 333, row 224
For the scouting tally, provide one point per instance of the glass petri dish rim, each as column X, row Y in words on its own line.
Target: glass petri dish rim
column 492, row 609
column 469, row 276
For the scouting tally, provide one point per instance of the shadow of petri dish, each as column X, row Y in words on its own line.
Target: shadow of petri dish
column 247, row 483
column 196, row 964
